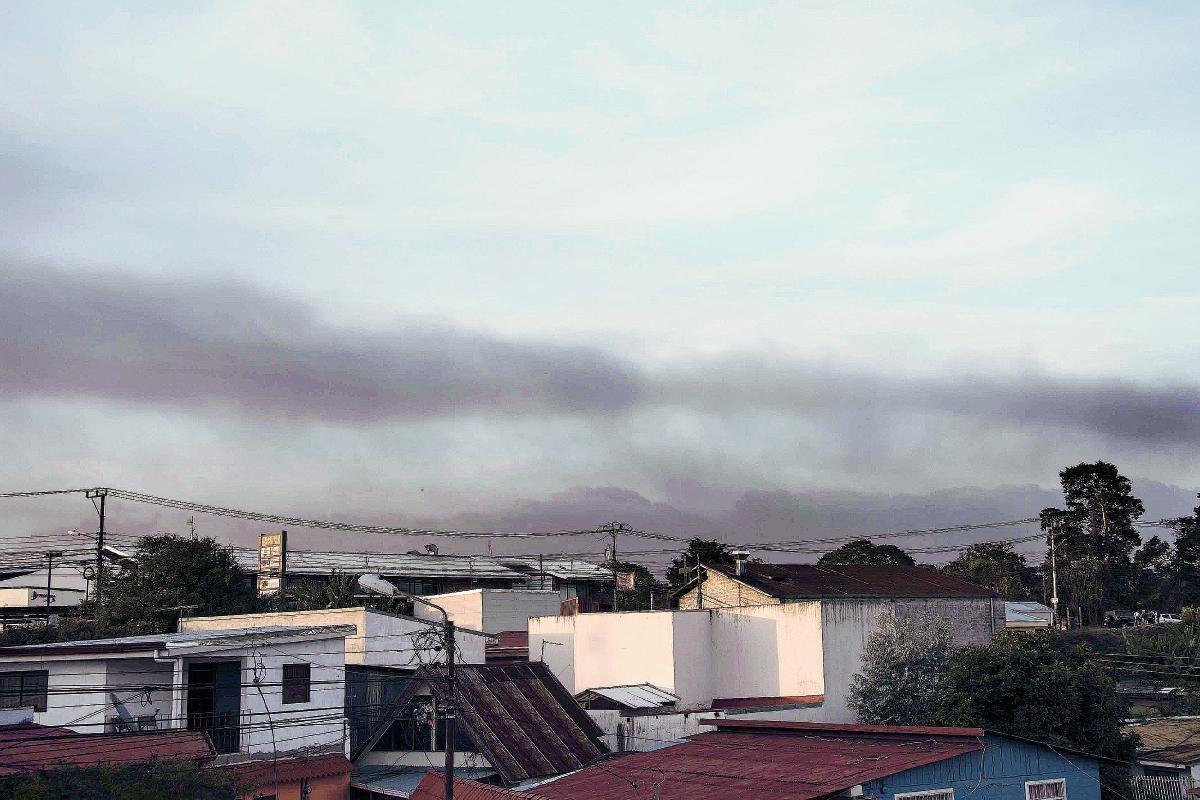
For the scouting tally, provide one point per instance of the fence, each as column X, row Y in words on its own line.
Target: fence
column 1161, row 787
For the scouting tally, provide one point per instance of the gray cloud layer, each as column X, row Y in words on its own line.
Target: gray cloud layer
column 202, row 344
column 226, row 345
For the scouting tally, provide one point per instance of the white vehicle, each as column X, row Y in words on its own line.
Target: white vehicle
column 1168, row 619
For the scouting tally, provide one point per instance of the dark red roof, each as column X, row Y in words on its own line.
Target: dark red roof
column 767, row 702
column 262, row 773
column 524, row 721
column 755, row 759
column 797, row 581
column 25, row 747
column 433, row 787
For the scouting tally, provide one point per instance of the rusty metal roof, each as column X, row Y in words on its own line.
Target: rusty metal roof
column 524, row 721
column 260, row 774
column 1174, row 740
column 799, row 581
column 29, row 746
column 433, row 787
column 558, row 567
column 756, row 760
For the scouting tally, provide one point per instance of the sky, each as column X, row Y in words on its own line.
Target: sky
column 547, row 262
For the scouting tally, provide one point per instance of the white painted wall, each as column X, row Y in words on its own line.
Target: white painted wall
column 380, row 640
column 751, row 651
column 319, row 722
column 491, row 610
column 845, row 624
column 144, row 688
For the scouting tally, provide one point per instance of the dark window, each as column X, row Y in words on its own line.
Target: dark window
column 296, row 680
column 24, row 689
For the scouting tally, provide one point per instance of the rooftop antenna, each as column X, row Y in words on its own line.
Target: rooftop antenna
column 192, row 525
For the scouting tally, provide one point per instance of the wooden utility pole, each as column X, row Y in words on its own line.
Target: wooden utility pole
column 94, row 495
column 50, row 556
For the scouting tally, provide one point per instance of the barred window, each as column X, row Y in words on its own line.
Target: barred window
column 24, row 689
column 296, row 682
column 933, row 794
column 1046, row 790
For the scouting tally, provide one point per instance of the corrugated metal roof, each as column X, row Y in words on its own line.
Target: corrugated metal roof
column 768, row 702
column 1174, row 740
column 766, row 761
column 566, row 569
column 641, row 695
column 433, row 787
column 26, row 747
column 796, row 581
column 309, row 562
column 159, row 641
column 524, row 722
column 1027, row 613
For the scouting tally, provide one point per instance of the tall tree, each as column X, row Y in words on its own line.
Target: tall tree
column 707, row 551
column 996, row 566
column 170, row 572
column 904, row 668
column 1094, row 538
column 863, row 551
column 1187, row 557
column 1028, row 684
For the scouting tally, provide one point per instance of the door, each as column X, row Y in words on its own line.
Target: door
column 214, row 702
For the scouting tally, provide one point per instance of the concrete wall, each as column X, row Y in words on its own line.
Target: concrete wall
column 381, row 640
column 492, row 610
column 845, row 625
column 319, row 722
column 974, row 619
column 143, row 687
column 754, row 651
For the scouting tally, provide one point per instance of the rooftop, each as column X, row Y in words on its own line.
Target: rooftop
column 183, row 639
column 566, row 569
column 26, row 747
column 636, row 696
column 524, row 722
column 1171, row 740
column 756, row 759
column 802, row 581
column 308, row 562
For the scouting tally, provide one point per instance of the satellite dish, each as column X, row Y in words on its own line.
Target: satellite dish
column 377, row 585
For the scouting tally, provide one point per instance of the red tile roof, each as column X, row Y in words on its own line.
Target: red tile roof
column 260, row 774
column 433, row 787
column 796, row 581
column 753, row 760
column 24, row 747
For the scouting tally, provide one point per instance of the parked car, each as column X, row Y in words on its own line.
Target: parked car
column 1168, row 619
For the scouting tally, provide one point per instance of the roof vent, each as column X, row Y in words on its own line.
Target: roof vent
column 739, row 562
column 431, row 549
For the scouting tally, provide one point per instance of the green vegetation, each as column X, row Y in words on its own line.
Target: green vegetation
column 179, row 781
column 904, row 668
column 862, row 551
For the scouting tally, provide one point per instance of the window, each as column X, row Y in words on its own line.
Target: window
column 1046, row 790
column 933, row 794
column 296, row 681
column 24, row 689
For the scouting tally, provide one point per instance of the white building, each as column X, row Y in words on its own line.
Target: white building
column 491, row 610
column 254, row 691
column 379, row 639
column 781, row 640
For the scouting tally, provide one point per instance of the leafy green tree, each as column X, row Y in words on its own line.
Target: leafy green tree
column 1028, row 684
column 996, row 566
column 862, row 551
column 707, row 551
column 904, row 668
column 1095, row 538
column 170, row 572
column 313, row 595
column 1187, row 557
column 177, row 780
column 645, row 586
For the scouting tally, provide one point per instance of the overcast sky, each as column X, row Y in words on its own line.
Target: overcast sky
column 435, row 260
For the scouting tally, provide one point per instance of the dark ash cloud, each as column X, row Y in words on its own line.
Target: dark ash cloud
column 225, row 345
column 201, row 344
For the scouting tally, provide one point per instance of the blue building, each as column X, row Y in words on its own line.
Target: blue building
column 761, row 759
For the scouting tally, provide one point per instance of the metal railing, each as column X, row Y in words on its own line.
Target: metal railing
column 1161, row 787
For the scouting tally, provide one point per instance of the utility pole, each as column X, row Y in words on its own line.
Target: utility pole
column 612, row 529
column 50, row 556
column 93, row 495
column 1053, row 578
column 450, row 710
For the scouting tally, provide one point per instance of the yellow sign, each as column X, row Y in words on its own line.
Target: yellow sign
column 272, row 562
